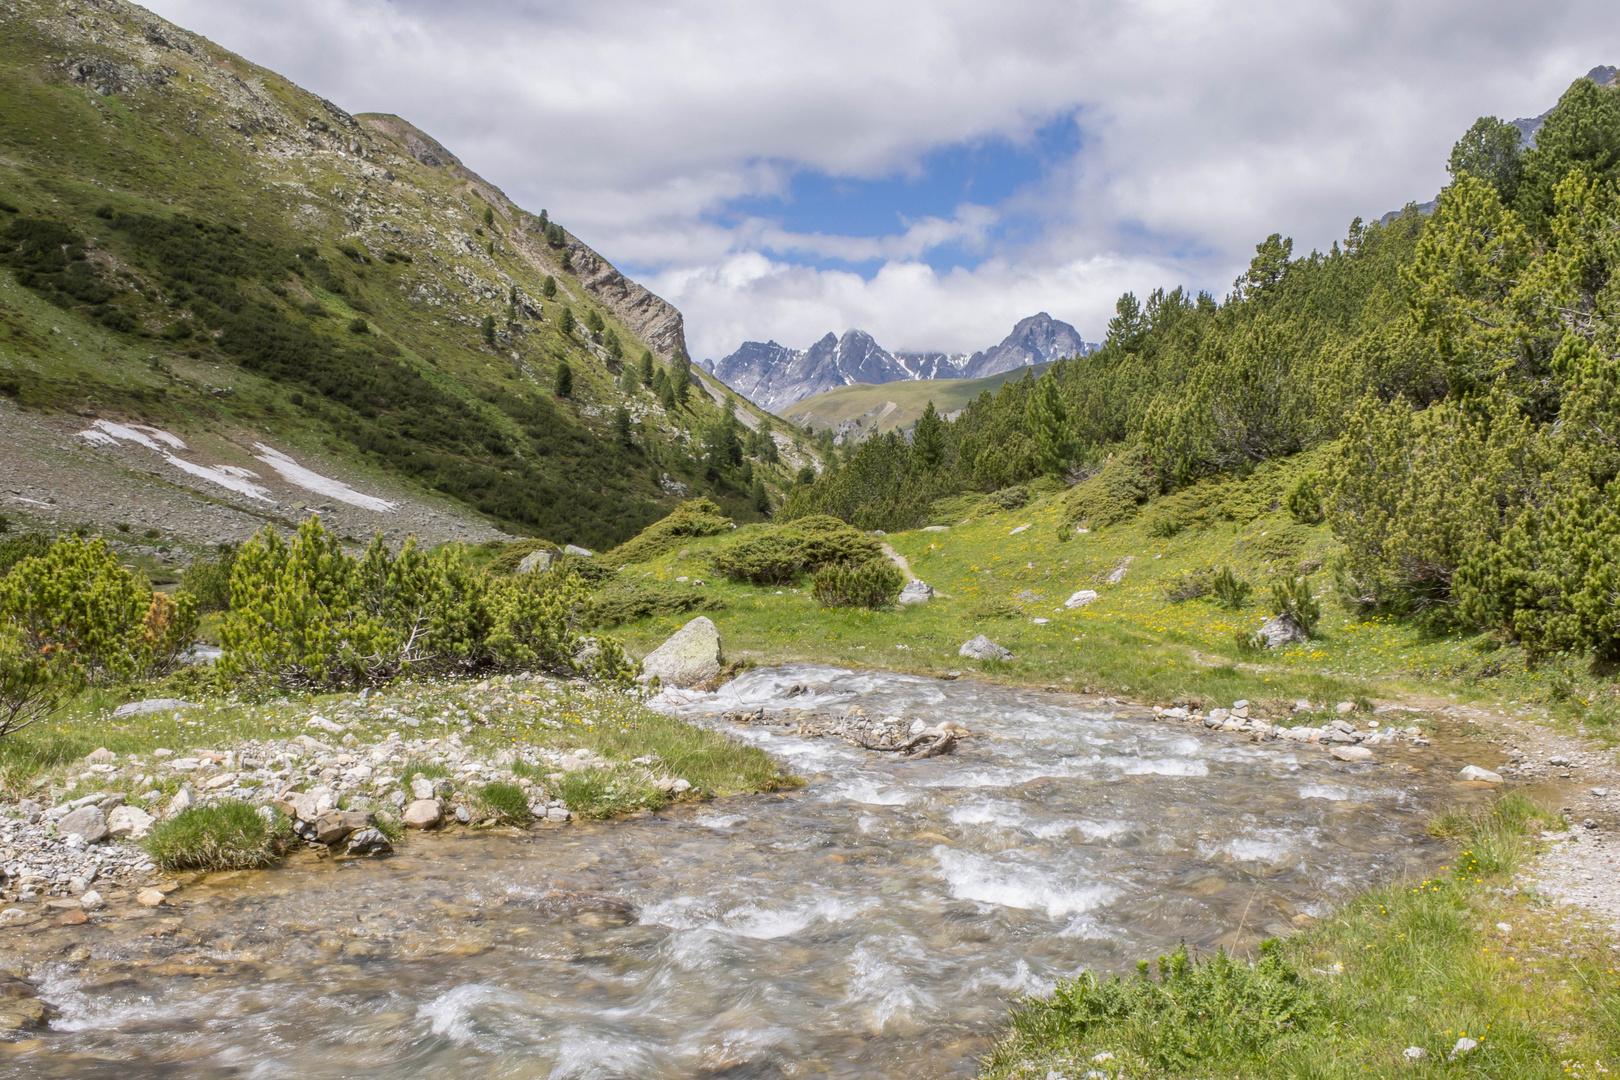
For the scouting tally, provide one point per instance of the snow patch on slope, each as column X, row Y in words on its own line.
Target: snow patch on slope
column 309, row 480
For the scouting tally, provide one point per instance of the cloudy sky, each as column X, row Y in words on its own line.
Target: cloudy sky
column 931, row 171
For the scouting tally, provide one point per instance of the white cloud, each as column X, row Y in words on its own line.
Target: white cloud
column 1205, row 126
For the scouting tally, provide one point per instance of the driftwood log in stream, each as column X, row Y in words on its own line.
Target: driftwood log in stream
column 886, row 734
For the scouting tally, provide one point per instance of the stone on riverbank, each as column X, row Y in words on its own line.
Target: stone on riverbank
column 1474, row 772
column 149, row 898
column 916, row 592
column 423, row 814
column 982, row 648
column 690, row 656
column 129, row 823
column 1351, row 753
column 333, row 826
column 87, row 822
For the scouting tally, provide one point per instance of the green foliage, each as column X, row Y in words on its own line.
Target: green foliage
column 645, row 368
column 307, row 615
column 209, row 580
column 548, row 287
column 694, row 518
column 514, row 553
column 14, row 549
column 1188, row 585
column 1047, row 420
column 1011, row 498
column 593, row 321
column 1114, row 494
column 872, row 584
column 1490, row 151
column 358, row 325
column 1231, row 591
column 1193, row 1013
column 1292, row 597
column 778, row 554
column 486, row 328
column 619, row 604
column 33, row 682
column 1304, row 503
column 229, row 835
column 75, row 599
column 565, row 380
column 505, row 802
column 884, row 484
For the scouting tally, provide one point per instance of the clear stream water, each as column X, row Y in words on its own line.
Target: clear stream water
column 876, row 923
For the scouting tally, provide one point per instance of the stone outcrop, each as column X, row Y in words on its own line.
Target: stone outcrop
column 690, row 657
column 982, row 648
column 1282, row 630
column 916, row 592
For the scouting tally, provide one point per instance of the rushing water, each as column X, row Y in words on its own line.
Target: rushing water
column 876, row 923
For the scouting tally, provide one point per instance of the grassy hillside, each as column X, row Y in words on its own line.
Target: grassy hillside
column 205, row 247
column 864, row 409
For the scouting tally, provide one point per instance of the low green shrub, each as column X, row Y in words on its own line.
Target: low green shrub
column 1305, row 502
column 505, row 802
column 209, row 580
column 694, row 518
column 14, row 549
column 1188, row 585
column 872, row 584
column 628, row 603
column 506, row 563
column 1115, row 494
column 229, row 835
column 778, row 554
column 1190, row 1013
column 1292, row 597
column 1231, row 591
column 1010, row 498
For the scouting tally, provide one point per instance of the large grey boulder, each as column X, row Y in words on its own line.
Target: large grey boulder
column 575, row 549
column 916, row 592
column 690, row 656
column 423, row 814
column 129, row 823
column 1475, row 773
column 982, row 648
column 1282, row 630
column 1081, row 598
column 87, row 821
column 535, row 561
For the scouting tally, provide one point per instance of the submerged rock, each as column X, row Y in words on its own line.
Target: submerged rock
column 982, row 648
column 1474, row 772
column 690, row 656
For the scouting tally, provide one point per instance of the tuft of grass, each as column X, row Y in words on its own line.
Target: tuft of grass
column 429, row 769
column 1407, row 965
column 601, row 793
column 226, row 836
column 505, row 802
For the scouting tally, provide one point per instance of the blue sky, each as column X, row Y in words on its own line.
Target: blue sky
column 931, row 171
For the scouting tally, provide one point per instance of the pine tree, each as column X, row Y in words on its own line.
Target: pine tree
column 682, row 380
column 928, row 440
column 666, row 394
column 565, row 379
column 548, row 287
column 1048, row 422
column 646, row 367
column 628, row 383
column 593, row 321
column 1490, row 151
column 621, row 426
column 762, row 500
column 565, row 321
column 488, row 327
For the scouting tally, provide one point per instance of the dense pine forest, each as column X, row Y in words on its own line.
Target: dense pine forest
column 1453, row 376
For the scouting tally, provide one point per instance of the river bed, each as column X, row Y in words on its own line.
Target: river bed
column 876, row 923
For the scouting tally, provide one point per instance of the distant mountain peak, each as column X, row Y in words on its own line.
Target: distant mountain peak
column 774, row 376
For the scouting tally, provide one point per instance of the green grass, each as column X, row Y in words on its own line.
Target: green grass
column 429, row 770
column 225, row 836
column 1408, row 965
column 504, row 802
column 909, row 400
column 1134, row 641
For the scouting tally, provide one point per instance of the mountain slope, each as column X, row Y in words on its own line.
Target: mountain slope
column 202, row 247
column 775, row 376
column 862, row 410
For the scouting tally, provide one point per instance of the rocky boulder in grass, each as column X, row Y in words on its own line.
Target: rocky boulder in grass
column 982, row 648
column 690, row 656
column 1282, row 630
column 423, row 814
column 916, row 592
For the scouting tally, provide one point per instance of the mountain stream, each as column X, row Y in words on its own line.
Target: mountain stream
column 878, row 922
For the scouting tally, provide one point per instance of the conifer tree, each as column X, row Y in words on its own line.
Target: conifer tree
column 621, row 426
column 548, row 287
column 1048, row 423
column 762, row 500
column 488, row 327
column 565, row 379
column 565, row 321
column 928, row 440
column 646, row 367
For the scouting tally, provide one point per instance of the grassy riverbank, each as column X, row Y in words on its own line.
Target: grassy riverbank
column 998, row 571
column 499, row 723
column 1387, row 986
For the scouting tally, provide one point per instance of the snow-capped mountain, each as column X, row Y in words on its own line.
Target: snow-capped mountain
column 775, row 376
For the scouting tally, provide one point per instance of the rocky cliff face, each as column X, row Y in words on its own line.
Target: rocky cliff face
column 775, row 376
